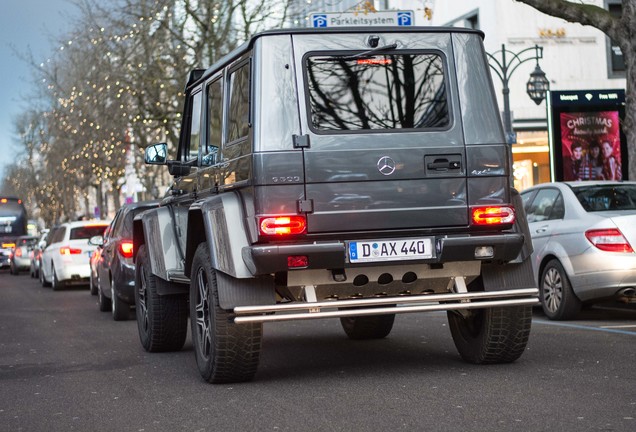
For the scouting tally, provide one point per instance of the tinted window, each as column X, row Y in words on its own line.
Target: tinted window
column 238, row 115
column 87, row 232
column 215, row 119
column 607, row 197
column 393, row 91
column 58, row 235
column 195, row 127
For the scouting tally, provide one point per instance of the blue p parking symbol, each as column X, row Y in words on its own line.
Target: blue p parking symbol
column 404, row 19
column 319, row 21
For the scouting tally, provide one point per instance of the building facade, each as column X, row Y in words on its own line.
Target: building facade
column 575, row 57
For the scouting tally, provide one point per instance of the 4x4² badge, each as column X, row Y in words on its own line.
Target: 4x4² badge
column 386, row 165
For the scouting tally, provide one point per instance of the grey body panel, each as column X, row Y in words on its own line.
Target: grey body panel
column 163, row 246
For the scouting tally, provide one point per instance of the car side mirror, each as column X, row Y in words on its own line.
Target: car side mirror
column 96, row 241
column 156, row 154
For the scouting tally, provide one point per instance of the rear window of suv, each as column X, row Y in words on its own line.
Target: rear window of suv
column 376, row 93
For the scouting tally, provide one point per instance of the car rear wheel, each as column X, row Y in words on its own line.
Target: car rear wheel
column 368, row 327
column 493, row 335
column 557, row 297
column 225, row 352
column 162, row 321
column 120, row 309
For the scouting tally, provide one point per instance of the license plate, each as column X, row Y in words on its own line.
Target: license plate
column 390, row 250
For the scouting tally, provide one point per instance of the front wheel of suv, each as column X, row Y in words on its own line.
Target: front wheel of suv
column 493, row 335
column 368, row 327
column 162, row 321
column 225, row 352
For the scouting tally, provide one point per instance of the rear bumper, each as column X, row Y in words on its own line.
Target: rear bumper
column 266, row 259
column 386, row 305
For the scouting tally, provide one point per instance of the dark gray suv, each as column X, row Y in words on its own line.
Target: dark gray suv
column 347, row 173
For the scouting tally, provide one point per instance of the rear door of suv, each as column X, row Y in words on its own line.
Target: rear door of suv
column 382, row 141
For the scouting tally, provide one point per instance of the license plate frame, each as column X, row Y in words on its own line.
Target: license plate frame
column 390, row 250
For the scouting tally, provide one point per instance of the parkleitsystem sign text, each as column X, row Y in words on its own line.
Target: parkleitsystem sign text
column 351, row 19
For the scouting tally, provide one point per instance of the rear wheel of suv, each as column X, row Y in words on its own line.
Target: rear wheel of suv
column 162, row 321
column 494, row 335
column 368, row 327
column 225, row 351
column 557, row 298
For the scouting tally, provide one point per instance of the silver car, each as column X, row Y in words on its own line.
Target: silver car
column 584, row 234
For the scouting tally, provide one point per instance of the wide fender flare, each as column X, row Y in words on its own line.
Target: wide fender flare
column 220, row 221
column 156, row 229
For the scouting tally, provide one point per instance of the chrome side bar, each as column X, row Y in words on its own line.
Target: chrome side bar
column 393, row 305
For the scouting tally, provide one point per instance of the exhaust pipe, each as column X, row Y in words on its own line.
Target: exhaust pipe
column 627, row 295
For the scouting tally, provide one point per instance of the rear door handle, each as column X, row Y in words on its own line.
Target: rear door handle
column 443, row 165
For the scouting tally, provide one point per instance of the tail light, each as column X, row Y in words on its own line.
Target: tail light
column 283, row 225
column 67, row 250
column 492, row 215
column 609, row 240
column 126, row 249
column 18, row 252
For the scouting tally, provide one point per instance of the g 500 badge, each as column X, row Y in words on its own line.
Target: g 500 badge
column 286, row 179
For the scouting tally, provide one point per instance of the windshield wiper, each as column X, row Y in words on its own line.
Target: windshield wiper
column 363, row 54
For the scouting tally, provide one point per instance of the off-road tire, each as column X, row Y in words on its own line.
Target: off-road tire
column 493, row 335
column 555, row 291
column 162, row 321
column 120, row 309
column 225, row 352
column 368, row 327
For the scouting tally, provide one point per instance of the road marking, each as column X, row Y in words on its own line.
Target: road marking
column 582, row 327
column 620, row 326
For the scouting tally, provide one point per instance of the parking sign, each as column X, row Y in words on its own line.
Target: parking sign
column 356, row 19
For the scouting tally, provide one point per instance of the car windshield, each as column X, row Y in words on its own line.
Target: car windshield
column 388, row 91
column 87, row 232
column 607, row 197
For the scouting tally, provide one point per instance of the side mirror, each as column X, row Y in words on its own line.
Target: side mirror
column 156, row 154
column 96, row 241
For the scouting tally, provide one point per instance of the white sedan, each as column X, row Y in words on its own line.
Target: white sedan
column 65, row 261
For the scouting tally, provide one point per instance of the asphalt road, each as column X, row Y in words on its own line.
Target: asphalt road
column 66, row 366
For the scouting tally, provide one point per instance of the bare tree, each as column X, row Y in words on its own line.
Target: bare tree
column 621, row 31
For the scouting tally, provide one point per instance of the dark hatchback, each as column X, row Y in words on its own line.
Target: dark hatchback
column 115, row 268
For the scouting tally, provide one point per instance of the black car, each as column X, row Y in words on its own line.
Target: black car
column 114, row 268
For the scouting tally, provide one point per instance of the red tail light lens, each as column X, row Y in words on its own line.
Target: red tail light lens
column 67, row 250
column 18, row 252
column 609, row 240
column 126, row 249
column 493, row 215
column 283, row 225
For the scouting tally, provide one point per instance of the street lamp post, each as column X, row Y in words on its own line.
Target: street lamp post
column 504, row 67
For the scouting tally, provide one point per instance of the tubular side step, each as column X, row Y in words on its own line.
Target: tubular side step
column 393, row 305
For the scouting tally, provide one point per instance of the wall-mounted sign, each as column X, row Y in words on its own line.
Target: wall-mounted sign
column 358, row 19
column 586, row 139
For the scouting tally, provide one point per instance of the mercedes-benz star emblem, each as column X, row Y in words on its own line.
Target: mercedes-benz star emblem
column 386, row 165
